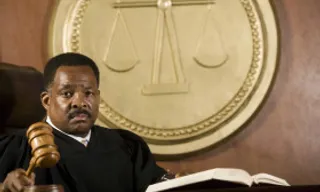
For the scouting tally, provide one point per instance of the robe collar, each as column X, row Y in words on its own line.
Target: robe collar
column 77, row 138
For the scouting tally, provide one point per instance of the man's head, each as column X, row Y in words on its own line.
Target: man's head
column 71, row 97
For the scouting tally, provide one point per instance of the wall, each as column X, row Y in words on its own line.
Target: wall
column 23, row 31
column 282, row 139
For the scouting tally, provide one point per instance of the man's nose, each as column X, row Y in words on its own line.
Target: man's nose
column 79, row 101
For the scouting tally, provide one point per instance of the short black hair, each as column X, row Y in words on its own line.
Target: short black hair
column 67, row 59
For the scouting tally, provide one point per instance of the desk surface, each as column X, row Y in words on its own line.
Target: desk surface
column 302, row 188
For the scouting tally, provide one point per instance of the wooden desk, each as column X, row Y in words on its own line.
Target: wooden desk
column 310, row 188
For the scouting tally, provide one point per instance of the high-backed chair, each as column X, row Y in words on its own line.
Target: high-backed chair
column 20, row 104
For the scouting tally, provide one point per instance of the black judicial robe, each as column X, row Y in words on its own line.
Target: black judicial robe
column 115, row 160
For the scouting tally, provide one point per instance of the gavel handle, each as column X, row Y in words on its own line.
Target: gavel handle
column 31, row 167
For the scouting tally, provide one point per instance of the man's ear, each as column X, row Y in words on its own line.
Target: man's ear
column 98, row 95
column 45, row 99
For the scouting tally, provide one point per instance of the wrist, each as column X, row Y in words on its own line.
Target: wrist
column 3, row 188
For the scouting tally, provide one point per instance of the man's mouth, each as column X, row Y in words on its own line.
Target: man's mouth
column 80, row 117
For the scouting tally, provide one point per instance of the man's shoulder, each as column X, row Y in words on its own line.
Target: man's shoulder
column 117, row 131
column 124, row 134
column 13, row 140
column 19, row 134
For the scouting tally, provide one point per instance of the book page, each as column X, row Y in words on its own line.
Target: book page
column 269, row 179
column 224, row 174
column 181, row 181
column 232, row 175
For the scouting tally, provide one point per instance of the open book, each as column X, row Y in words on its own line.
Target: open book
column 214, row 177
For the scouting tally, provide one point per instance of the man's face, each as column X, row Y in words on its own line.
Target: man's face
column 72, row 100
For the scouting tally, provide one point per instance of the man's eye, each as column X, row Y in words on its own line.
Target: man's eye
column 67, row 94
column 88, row 93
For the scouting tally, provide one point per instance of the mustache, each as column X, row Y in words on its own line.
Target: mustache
column 76, row 112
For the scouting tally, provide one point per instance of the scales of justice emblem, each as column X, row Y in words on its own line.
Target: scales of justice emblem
column 165, row 25
column 182, row 74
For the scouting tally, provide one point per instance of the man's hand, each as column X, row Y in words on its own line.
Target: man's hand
column 17, row 180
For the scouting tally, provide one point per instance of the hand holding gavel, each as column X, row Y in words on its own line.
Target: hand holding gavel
column 44, row 155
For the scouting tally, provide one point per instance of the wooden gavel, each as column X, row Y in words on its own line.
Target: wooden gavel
column 44, row 151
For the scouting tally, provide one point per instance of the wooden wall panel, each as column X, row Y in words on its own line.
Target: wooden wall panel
column 22, row 31
column 283, row 137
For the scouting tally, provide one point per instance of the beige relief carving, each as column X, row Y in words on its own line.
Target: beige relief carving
column 166, row 26
column 129, row 56
column 183, row 74
column 210, row 51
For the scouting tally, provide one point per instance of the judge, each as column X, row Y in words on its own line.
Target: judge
column 93, row 158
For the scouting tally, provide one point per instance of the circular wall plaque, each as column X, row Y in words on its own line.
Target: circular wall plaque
column 182, row 74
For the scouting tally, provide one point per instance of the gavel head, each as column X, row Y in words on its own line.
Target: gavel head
column 44, row 151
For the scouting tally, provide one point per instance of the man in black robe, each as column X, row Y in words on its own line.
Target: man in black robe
column 93, row 159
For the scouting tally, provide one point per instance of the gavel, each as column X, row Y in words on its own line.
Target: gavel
column 44, row 151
